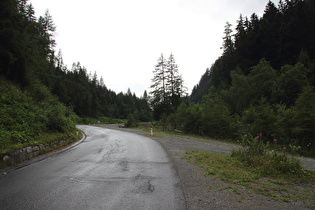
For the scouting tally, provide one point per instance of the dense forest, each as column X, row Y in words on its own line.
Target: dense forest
column 91, row 98
column 279, row 36
column 28, row 56
column 39, row 94
column 263, row 82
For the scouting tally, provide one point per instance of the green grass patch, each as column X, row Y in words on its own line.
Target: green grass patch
column 42, row 138
column 159, row 131
column 222, row 166
column 56, row 140
column 51, row 137
column 233, row 171
column 100, row 120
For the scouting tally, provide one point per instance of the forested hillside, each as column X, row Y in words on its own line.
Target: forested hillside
column 39, row 94
column 279, row 36
column 91, row 98
column 28, row 55
column 263, row 82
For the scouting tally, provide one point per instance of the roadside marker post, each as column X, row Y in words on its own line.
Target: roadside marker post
column 151, row 132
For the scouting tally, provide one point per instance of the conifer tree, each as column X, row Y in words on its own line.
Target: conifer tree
column 167, row 87
column 174, row 83
column 171, row 76
column 228, row 44
column 158, row 85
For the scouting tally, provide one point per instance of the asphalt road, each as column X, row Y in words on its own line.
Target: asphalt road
column 110, row 169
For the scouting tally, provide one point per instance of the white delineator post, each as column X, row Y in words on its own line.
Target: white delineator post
column 151, row 132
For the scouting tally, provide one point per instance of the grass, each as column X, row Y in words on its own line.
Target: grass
column 101, row 120
column 43, row 138
column 157, row 129
column 283, row 187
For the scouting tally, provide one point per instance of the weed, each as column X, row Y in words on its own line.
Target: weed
column 256, row 154
column 240, row 200
column 231, row 170
column 237, row 191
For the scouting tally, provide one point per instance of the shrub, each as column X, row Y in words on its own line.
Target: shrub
column 215, row 117
column 255, row 153
column 132, row 120
column 259, row 118
column 23, row 116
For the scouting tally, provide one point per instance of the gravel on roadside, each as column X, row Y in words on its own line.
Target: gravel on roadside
column 203, row 192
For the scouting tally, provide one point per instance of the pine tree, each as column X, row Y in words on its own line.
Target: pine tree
column 102, row 84
column 167, row 87
column 59, row 60
column 159, row 83
column 171, row 77
column 228, row 44
column 30, row 13
column 240, row 31
column 49, row 29
column 145, row 96
column 174, row 83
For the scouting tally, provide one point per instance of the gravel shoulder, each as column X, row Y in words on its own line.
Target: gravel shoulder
column 208, row 193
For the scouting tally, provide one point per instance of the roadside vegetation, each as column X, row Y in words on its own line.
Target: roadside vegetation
column 100, row 120
column 267, row 170
column 32, row 116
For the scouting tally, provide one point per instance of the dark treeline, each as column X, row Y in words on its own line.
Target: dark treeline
column 263, row 82
column 91, row 98
column 28, row 57
column 279, row 36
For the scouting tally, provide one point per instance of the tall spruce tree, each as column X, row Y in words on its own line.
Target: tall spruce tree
column 174, row 83
column 158, row 86
column 228, row 44
column 167, row 87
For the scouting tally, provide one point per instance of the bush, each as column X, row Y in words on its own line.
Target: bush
column 260, row 118
column 255, row 153
column 216, row 119
column 132, row 120
column 23, row 116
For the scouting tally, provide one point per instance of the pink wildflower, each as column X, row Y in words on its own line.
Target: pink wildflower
column 284, row 148
column 275, row 140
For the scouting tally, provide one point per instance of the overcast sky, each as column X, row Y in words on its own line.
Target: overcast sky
column 122, row 39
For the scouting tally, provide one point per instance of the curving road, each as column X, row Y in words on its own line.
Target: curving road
column 110, row 169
